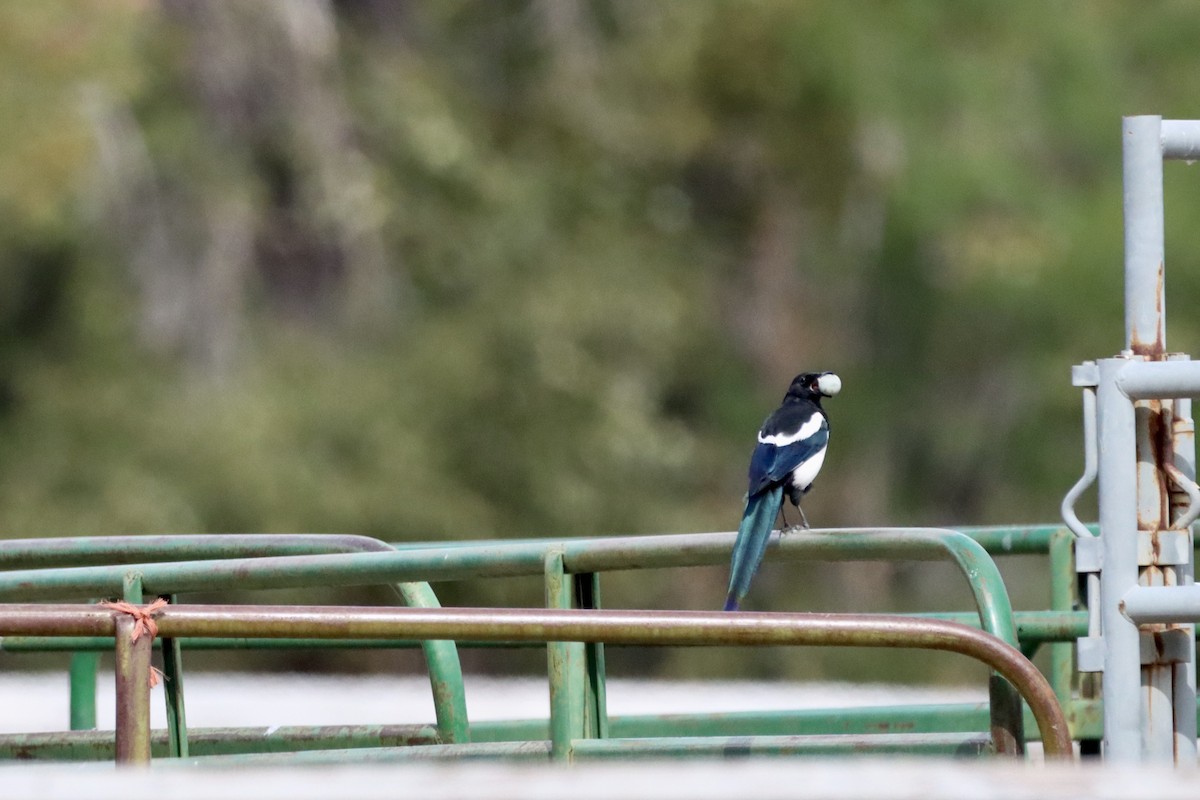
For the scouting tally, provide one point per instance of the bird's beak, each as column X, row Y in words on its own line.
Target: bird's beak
column 829, row 384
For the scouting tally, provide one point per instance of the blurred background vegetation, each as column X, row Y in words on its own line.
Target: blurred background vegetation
column 448, row 269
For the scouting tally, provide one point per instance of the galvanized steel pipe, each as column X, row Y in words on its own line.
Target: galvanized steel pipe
column 1159, row 380
column 1181, row 139
column 1118, row 534
column 1145, row 314
column 1142, row 701
column 1143, row 605
column 1181, row 466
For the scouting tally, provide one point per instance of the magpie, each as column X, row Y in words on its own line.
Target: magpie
column 789, row 454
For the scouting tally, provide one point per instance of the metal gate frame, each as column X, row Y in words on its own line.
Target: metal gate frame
column 1140, row 442
column 567, row 567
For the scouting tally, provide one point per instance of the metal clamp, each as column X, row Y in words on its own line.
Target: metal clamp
column 1192, row 490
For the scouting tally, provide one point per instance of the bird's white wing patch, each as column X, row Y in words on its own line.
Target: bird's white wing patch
column 806, row 430
column 806, row 473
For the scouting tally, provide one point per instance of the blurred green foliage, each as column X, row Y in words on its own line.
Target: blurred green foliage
column 428, row 270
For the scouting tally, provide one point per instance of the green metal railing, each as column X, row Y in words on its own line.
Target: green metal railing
column 45, row 555
column 570, row 569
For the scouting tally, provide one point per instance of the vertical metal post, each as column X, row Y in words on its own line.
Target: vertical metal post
column 1145, row 336
column 1145, row 317
column 1062, row 598
column 1167, row 683
column 172, row 660
column 595, row 717
column 133, row 694
column 1183, row 437
column 83, row 690
column 565, row 667
column 1118, row 532
column 132, row 670
column 131, row 591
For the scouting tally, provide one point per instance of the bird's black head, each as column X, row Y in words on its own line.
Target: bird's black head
column 814, row 385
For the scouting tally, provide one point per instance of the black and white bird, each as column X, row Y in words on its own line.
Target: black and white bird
column 789, row 454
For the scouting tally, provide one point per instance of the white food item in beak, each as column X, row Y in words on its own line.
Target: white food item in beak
column 829, row 384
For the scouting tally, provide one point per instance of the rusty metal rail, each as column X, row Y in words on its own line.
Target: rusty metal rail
column 544, row 625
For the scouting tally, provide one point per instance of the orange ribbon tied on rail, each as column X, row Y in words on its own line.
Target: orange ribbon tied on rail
column 143, row 616
column 143, row 622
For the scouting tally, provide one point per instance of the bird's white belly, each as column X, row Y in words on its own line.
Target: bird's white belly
column 806, row 473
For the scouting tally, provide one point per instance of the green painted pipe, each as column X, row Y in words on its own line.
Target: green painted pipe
column 101, row 745
column 445, row 670
column 78, row 551
column 954, row 744
column 579, row 556
column 943, row 744
column 82, row 674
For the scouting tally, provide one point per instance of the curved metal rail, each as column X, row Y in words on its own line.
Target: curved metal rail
column 618, row 627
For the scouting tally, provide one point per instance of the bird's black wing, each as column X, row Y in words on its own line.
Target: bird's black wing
column 789, row 437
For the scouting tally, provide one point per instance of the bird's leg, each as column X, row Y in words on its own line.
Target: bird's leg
column 803, row 518
column 786, row 529
column 794, row 494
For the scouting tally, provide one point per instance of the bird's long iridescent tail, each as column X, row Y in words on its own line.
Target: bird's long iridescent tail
column 751, row 542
